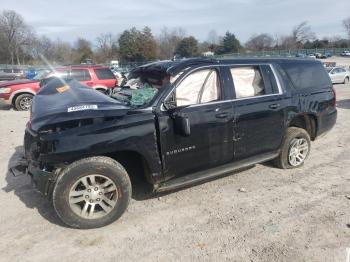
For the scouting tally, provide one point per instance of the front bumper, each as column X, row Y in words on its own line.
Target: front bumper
column 42, row 181
column 5, row 101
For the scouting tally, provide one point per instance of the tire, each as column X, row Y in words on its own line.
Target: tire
column 23, row 102
column 346, row 80
column 78, row 207
column 291, row 155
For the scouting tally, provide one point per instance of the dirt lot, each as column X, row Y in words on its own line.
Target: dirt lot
column 295, row 215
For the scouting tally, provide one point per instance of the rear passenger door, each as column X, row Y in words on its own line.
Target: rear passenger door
column 258, row 110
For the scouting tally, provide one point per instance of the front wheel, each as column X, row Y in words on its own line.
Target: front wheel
column 295, row 149
column 92, row 192
column 346, row 80
column 23, row 102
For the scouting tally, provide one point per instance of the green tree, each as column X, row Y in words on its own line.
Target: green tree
column 83, row 51
column 187, row 47
column 148, row 44
column 137, row 46
column 229, row 44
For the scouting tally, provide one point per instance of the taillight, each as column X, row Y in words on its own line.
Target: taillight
column 334, row 102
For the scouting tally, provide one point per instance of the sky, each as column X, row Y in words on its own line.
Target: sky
column 69, row 19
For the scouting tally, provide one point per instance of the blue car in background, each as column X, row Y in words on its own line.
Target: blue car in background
column 31, row 73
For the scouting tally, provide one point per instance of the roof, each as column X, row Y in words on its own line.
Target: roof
column 174, row 67
column 81, row 66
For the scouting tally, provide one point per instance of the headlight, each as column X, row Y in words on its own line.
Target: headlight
column 5, row 90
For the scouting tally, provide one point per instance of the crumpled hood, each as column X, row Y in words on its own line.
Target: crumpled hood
column 61, row 101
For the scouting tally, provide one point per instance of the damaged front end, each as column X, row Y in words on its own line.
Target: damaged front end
column 42, row 177
column 63, row 110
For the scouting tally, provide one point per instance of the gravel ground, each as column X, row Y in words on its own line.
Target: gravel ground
column 282, row 215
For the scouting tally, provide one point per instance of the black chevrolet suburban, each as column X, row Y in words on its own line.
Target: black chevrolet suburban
column 173, row 124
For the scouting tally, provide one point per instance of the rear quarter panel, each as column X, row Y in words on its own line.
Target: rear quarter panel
column 317, row 100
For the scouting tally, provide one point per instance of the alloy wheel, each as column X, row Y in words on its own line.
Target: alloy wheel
column 26, row 103
column 93, row 196
column 298, row 151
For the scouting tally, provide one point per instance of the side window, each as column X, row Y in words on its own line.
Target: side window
column 307, row 74
column 197, row 88
column 62, row 74
column 104, row 73
column 248, row 81
column 80, row 74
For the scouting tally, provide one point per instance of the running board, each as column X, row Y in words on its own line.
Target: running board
column 209, row 174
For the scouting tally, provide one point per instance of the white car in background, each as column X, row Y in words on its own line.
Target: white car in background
column 345, row 53
column 338, row 75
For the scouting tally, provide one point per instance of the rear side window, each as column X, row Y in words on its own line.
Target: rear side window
column 80, row 74
column 248, row 81
column 197, row 88
column 104, row 73
column 307, row 75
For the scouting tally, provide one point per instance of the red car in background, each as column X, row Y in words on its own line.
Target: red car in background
column 19, row 93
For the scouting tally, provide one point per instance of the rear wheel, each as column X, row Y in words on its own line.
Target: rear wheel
column 346, row 80
column 92, row 192
column 23, row 102
column 295, row 148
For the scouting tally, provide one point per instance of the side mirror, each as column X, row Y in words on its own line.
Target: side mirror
column 182, row 124
column 169, row 104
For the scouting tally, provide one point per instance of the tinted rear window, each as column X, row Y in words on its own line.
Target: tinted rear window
column 104, row 73
column 307, row 75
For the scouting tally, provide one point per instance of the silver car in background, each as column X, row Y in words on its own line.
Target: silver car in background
column 338, row 75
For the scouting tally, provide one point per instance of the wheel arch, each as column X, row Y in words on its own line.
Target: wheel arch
column 307, row 122
column 16, row 94
column 134, row 163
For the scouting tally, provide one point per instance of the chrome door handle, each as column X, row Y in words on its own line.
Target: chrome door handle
column 221, row 115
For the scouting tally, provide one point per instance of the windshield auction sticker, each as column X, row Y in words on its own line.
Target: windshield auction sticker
column 82, row 108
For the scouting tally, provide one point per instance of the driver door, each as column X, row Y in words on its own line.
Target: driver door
column 199, row 98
